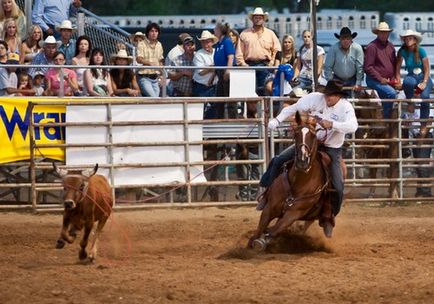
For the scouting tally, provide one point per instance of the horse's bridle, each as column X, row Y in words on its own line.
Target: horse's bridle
column 308, row 149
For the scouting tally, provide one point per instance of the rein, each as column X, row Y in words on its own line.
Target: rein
column 291, row 200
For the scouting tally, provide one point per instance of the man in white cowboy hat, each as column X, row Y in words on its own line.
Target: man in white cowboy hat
column 123, row 80
column 335, row 114
column 50, row 13
column 257, row 46
column 205, row 80
column 344, row 60
column 150, row 53
column 45, row 57
column 67, row 43
column 380, row 67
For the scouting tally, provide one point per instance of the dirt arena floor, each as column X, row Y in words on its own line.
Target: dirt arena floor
column 377, row 255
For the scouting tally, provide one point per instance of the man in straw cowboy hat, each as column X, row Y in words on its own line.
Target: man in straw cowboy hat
column 67, row 43
column 344, row 60
column 335, row 114
column 205, row 80
column 380, row 67
column 257, row 46
column 45, row 57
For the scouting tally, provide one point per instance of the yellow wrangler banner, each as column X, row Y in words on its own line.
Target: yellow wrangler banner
column 14, row 129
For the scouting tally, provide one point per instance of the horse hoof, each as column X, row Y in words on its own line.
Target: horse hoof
column 259, row 245
column 60, row 244
column 328, row 229
column 82, row 255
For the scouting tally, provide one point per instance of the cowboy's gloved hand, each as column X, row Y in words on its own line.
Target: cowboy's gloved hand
column 273, row 124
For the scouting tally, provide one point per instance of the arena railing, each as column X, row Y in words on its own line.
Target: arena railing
column 403, row 179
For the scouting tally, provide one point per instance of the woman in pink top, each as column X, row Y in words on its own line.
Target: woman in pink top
column 53, row 76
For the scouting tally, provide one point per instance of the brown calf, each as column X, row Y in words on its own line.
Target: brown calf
column 87, row 199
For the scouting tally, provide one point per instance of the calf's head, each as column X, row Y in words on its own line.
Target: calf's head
column 74, row 185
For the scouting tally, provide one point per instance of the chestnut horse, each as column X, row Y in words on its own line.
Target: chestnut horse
column 300, row 192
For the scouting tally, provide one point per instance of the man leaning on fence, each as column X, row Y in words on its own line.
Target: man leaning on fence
column 380, row 64
column 258, row 46
column 344, row 60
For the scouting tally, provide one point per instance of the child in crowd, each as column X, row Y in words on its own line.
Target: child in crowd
column 24, row 83
column 38, row 83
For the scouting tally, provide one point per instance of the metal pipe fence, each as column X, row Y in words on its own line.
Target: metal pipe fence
column 228, row 133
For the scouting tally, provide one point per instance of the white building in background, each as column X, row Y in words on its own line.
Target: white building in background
column 328, row 22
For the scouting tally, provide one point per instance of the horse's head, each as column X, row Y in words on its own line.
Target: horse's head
column 74, row 185
column 306, row 143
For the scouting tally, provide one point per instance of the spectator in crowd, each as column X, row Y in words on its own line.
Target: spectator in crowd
column 10, row 9
column 181, row 79
column 50, row 13
column 418, row 80
column 304, row 68
column 137, row 38
column 344, row 60
column 9, row 80
column 380, row 67
column 3, row 51
column 11, row 36
column 54, row 78
column 38, row 83
column 24, row 83
column 30, row 47
column 224, row 55
column 67, row 43
column 258, row 46
column 205, row 80
column 288, row 55
column 49, row 46
column 150, row 53
column 177, row 50
column 83, row 46
column 235, row 38
column 124, row 81
column 97, row 81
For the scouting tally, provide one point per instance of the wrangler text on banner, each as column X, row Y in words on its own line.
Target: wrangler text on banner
column 14, row 129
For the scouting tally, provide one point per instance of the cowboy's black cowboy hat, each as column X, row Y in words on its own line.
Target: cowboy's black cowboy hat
column 346, row 32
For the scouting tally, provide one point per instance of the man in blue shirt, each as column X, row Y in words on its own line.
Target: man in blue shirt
column 67, row 44
column 50, row 13
column 344, row 60
column 45, row 57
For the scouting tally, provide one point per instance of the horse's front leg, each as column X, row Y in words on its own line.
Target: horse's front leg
column 282, row 224
column 265, row 219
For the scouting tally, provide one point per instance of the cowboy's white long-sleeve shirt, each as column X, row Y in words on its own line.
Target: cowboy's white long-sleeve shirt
column 341, row 114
